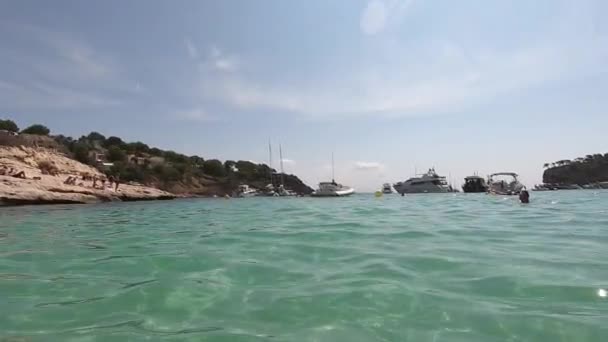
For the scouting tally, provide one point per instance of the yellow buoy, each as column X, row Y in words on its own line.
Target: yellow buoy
column 378, row 194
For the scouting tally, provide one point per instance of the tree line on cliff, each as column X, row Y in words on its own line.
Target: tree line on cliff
column 590, row 169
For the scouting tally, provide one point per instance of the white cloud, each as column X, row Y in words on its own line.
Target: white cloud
column 373, row 18
column 378, row 14
column 194, row 114
column 289, row 161
column 225, row 64
column 408, row 78
column 361, row 165
column 434, row 81
column 64, row 73
column 191, row 48
column 41, row 95
column 219, row 61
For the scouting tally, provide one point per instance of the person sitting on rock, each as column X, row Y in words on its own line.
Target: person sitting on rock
column 19, row 174
column 70, row 181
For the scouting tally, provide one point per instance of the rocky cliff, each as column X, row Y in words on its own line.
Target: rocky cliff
column 589, row 170
column 40, row 187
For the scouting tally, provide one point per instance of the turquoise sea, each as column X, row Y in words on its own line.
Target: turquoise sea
column 453, row 267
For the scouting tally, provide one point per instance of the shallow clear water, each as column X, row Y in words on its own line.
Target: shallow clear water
column 417, row 268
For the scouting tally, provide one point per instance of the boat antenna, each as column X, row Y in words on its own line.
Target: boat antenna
column 332, row 168
column 281, row 157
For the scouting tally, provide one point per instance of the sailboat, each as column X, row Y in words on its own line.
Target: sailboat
column 332, row 189
column 269, row 190
column 281, row 190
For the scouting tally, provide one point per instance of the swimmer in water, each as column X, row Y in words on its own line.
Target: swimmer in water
column 524, row 196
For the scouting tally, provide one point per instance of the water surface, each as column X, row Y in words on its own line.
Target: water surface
column 454, row 267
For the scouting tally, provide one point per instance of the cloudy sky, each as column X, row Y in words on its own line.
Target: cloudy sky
column 390, row 86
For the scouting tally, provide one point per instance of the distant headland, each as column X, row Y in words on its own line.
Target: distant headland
column 590, row 171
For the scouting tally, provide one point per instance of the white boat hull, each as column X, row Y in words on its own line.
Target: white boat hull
column 337, row 193
column 426, row 188
column 505, row 187
column 247, row 194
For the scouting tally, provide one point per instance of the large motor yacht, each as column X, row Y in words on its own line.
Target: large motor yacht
column 429, row 182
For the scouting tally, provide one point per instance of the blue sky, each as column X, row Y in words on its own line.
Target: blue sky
column 389, row 85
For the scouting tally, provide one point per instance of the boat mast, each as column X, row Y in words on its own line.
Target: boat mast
column 332, row 168
column 281, row 157
column 270, row 160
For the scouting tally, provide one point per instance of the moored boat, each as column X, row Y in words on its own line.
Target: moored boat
column 386, row 188
column 429, row 182
column 245, row 191
column 474, row 184
column 332, row 189
column 504, row 183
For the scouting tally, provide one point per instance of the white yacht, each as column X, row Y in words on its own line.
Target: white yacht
column 281, row 191
column 332, row 189
column 245, row 191
column 387, row 189
column 268, row 191
column 429, row 182
column 504, row 183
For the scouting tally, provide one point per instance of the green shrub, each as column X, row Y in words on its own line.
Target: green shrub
column 214, row 167
column 115, row 154
column 37, row 129
column 9, row 125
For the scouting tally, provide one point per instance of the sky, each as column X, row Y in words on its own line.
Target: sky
column 391, row 87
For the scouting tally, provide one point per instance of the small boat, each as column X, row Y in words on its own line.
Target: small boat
column 593, row 186
column 429, row 182
column 245, row 191
column 268, row 191
column 332, row 189
column 387, row 188
column 281, row 191
column 568, row 187
column 504, row 183
column 474, row 184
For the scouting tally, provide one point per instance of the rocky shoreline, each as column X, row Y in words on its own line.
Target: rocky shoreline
column 41, row 188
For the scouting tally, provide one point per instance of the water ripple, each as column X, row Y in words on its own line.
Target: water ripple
column 418, row 268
